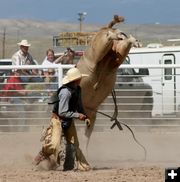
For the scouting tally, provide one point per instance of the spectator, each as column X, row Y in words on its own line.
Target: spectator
column 13, row 90
column 13, row 86
column 67, row 57
column 23, row 57
column 49, row 60
column 43, row 91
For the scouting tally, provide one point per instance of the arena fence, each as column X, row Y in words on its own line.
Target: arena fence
column 145, row 96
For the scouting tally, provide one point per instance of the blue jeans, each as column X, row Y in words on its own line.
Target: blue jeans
column 31, row 79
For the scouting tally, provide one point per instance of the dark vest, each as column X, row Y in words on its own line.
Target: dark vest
column 75, row 100
column 75, row 103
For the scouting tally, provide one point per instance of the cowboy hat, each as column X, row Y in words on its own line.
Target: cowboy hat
column 24, row 43
column 72, row 75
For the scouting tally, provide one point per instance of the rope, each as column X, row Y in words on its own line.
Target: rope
column 119, row 123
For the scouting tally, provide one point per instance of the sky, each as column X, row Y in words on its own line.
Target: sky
column 98, row 11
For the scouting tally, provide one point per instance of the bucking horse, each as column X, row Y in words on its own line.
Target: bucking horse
column 106, row 52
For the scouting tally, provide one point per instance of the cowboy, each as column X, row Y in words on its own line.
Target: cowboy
column 23, row 57
column 66, row 109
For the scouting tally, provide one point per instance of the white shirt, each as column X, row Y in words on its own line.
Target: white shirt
column 47, row 63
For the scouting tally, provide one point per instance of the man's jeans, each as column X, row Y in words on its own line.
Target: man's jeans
column 31, row 79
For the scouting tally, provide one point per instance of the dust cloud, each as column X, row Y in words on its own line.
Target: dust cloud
column 113, row 155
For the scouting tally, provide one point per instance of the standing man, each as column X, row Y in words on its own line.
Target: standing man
column 66, row 109
column 23, row 57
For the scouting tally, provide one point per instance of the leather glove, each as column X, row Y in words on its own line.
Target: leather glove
column 53, row 115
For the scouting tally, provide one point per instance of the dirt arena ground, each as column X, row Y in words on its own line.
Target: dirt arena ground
column 113, row 155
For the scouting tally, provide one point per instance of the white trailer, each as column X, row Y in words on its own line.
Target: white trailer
column 164, row 81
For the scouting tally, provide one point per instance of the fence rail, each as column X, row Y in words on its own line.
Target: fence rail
column 142, row 100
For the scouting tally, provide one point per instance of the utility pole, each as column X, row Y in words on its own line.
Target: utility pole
column 3, row 43
column 81, row 18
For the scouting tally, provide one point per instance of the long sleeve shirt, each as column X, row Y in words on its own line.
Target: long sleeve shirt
column 64, row 99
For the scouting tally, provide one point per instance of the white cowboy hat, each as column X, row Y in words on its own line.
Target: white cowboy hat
column 24, row 43
column 72, row 75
